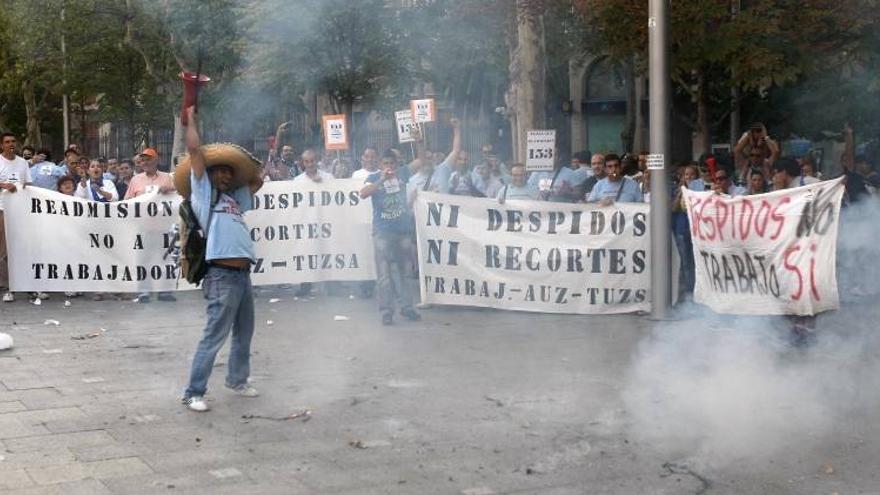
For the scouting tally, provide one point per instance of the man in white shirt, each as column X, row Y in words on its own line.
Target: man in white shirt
column 311, row 173
column 14, row 173
column 517, row 189
column 369, row 164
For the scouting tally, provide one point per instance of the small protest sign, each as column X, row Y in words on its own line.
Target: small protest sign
column 404, row 120
column 423, row 110
column 540, row 149
column 335, row 132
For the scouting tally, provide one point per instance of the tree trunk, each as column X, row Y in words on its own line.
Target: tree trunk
column 527, row 75
column 640, row 139
column 179, row 146
column 348, row 110
column 33, row 137
column 627, row 135
column 735, row 116
column 702, row 136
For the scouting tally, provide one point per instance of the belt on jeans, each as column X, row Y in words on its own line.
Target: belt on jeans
column 230, row 268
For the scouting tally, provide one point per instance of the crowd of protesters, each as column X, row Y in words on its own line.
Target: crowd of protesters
column 755, row 166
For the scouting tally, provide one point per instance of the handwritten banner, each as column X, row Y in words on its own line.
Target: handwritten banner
column 533, row 256
column 768, row 254
column 302, row 232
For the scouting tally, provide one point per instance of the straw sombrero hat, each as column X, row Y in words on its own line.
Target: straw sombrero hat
column 245, row 165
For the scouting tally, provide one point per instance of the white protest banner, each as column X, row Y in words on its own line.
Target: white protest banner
column 768, row 254
column 59, row 243
column 302, row 232
column 404, row 121
column 540, row 149
column 423, row 110
column 533, row 256
column 335, row 132
column 306, row 231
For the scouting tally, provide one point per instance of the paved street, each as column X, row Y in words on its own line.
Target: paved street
column 464, row 402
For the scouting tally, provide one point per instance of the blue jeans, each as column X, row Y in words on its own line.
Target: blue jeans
column 393, row 270
column 686, row 252
column 230, row 307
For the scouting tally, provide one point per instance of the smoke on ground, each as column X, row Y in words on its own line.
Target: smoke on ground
column 716, row 390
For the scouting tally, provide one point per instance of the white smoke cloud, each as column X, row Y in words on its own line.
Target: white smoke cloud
column 719, row 390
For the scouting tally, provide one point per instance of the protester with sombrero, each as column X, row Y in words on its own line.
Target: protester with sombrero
column 220, row 180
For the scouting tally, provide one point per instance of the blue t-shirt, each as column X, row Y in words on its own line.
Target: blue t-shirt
column 631, row 192
column 580, row 175
column 46, row 174
column 390, row 209
column 442, row 173
column 480, row 183
column 697, row 185
column 566, row 179
column 228, row 235
column 510, row 191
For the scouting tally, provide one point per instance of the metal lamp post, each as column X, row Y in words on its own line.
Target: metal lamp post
column 658, row 55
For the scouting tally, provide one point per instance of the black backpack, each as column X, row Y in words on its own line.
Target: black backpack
column 193, row 244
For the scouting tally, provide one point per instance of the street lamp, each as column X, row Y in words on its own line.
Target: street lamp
column 658, row 60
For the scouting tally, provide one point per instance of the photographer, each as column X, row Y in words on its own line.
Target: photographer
column 755, row 150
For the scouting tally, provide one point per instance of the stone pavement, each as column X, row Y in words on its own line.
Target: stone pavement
column 465, row 402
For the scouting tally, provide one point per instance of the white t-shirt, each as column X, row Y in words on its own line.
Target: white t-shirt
column 361, row 174
column 324, row 176
column 16, row 171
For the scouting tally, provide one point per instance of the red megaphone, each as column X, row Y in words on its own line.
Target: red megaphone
column 713, row 166
column 191, row 84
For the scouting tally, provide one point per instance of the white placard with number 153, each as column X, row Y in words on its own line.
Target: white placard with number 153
column 540, row 149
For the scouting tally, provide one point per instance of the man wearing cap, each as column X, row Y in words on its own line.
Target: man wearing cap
column 220, row 180
column 150, row 180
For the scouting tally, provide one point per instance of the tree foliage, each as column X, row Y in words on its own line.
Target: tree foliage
column 759, row 46
column 807, row 63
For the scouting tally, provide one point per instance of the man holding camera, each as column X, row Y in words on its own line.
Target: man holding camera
column 755, row 151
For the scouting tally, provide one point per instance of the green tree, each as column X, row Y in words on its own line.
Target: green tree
column 766, row 44
column 30, row 55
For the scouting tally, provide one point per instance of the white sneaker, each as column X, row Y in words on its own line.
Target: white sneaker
column 8, row 297
column 196, row 403
column 245, row 390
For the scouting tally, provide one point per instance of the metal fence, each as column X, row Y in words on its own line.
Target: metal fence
column 114, row 139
